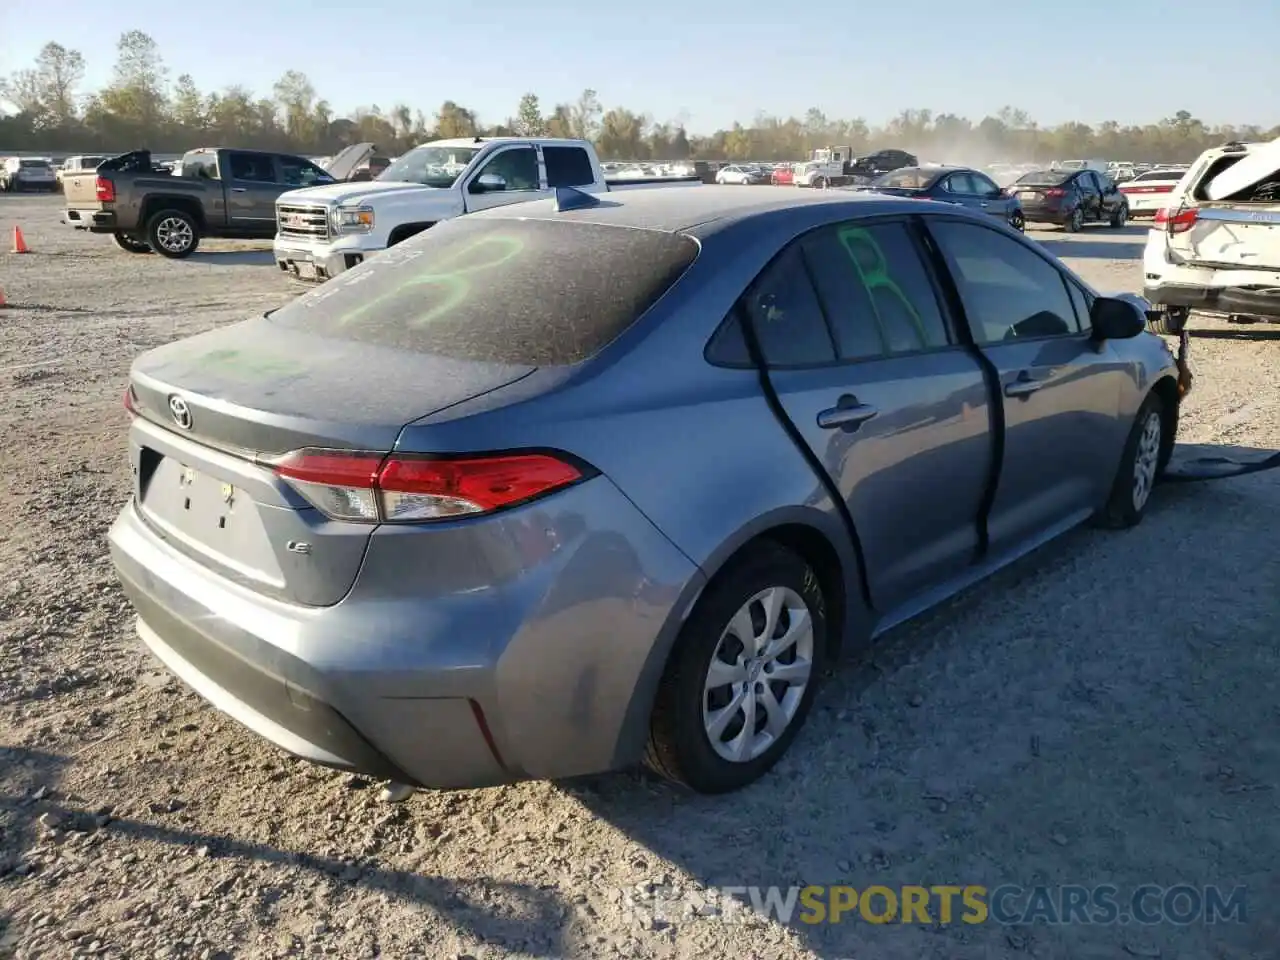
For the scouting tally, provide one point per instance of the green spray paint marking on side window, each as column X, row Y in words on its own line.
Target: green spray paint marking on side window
column 454, row 283
column 877, row 277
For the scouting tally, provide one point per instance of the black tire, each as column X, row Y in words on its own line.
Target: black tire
column 820, row 183
column 1018, row 221
column 1120, row 217
column 1075, row 223
column 1124, row 507
column 680, row 747
column 130, row 242
column 166, row 234
column 1169, row 321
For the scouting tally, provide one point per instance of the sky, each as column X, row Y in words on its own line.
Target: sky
column 709, row 64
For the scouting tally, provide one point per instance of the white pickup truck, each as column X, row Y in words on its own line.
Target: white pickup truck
column 322, row 231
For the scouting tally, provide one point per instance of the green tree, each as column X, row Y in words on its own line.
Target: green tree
column 529, row 119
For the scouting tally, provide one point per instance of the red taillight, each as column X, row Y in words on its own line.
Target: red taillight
column 1055, row 192
column 1175, row 221
column 130, row 401
column 379, row 488
column 105, row 190
column 1167, row 188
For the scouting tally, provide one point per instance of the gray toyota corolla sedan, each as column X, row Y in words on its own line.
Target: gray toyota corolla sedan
column 556, row 487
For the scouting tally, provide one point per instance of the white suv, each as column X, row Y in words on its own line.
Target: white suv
column 1215, row 246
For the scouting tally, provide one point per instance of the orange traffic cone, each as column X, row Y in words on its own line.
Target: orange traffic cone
column 19, row 244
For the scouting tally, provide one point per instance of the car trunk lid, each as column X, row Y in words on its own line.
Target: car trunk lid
column 215, row 410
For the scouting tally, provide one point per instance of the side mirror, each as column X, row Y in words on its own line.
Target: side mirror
column 1116, row 319
column 488, row 183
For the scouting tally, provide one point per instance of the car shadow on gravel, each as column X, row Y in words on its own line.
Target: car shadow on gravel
column 1260, row 332
column 233, row 258
column 867, row 798
column 37, row 817
column 1093, row 249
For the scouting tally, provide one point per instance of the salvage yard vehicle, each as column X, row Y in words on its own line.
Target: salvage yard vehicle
column 421, row 522
column 324, row 231
column 1071, row 198
column 74, row 166
column 27, row 173
column 959, row 185
column 1147, row 193
column 838, row 167
column 212, row 192
column 1215, row 244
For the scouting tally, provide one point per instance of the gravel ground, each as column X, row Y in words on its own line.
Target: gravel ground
column 1104, row 712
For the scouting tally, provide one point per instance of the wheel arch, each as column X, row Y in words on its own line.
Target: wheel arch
column 188, row 205
column 1166, row 388
column 403, row 231
column 816, row 536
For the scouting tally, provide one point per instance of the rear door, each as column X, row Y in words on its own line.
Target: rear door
column 868, row 371
column 1090, row 194
column 251, row 186
column 1060, row 391
column 518, row 172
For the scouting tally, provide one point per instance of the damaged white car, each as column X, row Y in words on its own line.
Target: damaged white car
column 1215, row 246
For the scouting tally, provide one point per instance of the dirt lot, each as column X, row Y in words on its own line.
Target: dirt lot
column 1105, row 712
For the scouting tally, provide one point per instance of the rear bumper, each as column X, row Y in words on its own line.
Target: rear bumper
column 1254, row 302
column 1042, row 213
column 95, row 221
column 545, row 672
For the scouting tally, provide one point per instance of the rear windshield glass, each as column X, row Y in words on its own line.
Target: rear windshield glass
column 1265, row 190
column 529, row 292
column 1046, row 178
column 1159, row 175
column 34, row 164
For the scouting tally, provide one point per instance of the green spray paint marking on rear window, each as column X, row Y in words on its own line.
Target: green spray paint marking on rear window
column 455, row 284
column 878, row 277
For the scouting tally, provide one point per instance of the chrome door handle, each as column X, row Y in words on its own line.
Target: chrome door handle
column 847, row 414
column 1022, row 387
column 984, row 205
column 239, row 189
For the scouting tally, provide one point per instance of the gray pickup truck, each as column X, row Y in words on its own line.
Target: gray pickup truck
column 212, row 192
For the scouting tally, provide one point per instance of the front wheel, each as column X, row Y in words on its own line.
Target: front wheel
column 1018, row 221
column 130, row 242
column 1120, row 217
column 1144, row 459
column 742, row 677
column 173, row 234
column 820, row 183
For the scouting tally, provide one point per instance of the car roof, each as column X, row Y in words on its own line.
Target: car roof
column 702, row 210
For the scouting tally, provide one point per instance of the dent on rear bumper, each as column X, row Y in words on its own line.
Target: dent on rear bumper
column 552, row 623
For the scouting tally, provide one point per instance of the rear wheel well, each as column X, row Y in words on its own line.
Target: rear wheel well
column 154, row 205
column 1166, row 388
column 406, row 230
column 816, row 550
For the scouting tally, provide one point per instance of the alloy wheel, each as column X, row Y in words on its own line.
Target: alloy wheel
column 174, row 234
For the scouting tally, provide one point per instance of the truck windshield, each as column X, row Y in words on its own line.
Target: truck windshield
column 430, row 166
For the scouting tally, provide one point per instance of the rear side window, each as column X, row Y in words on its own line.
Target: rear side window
column 529, row 292
column 875, row 290
column 252, row 167
column 568, row 167
column 787, row 317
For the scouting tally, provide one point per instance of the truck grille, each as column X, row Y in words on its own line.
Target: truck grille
column 304, row 220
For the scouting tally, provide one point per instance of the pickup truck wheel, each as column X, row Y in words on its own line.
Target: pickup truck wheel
column 130, row 242
column 173, row 234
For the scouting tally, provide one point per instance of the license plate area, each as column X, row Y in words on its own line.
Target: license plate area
column 1031, row 195
column 306, row 269
column 205, row 516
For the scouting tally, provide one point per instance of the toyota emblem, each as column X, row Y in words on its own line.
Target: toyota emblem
column 180, row 411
